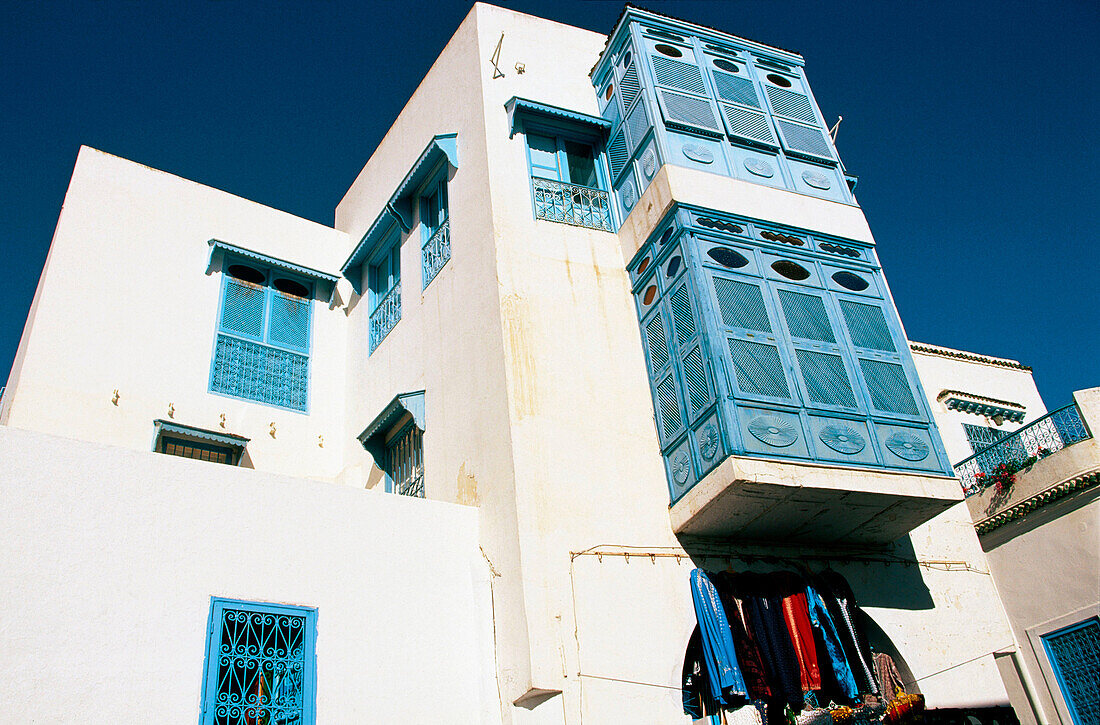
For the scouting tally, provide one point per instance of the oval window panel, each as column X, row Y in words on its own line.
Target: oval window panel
column 650, row 294
column 673, row 266
column 666, row 236
column 727, row 257
column 850, row 281
column 668, row 50
column 726, row 65
column 779, row 80
column 610, row 92
column 626, row 59
column 791, row 270
column 246, row 273
column 643, row 266
column 290, row 287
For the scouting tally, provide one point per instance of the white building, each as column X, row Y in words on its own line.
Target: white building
column 551, row 303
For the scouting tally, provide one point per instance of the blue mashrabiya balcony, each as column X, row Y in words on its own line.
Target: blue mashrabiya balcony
column 785, row 396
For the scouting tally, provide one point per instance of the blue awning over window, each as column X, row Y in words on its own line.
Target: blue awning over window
column 219, row 247
column 373, row 436
column 521, row 109
column 398, row 209
column 230, row 440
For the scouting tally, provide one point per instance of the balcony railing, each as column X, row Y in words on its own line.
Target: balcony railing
column 1048, row 434
column 436, row 251
column 385, row 316
column 570, row 204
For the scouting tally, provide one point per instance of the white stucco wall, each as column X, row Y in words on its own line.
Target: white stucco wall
column 112, row 555
column 125, row 303
column 976, row 374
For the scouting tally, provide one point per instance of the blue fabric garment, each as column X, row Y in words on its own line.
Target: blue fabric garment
column 727, row 686
column 819, row 617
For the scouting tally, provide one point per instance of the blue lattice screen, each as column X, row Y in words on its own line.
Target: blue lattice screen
column 1074, row 654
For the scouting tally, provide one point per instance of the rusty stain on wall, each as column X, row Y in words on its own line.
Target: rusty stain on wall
column 515, row 316
column 467, row 487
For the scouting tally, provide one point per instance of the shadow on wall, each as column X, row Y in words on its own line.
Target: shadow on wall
column 887, row 578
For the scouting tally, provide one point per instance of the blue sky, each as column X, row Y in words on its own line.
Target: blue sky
column 972, row 127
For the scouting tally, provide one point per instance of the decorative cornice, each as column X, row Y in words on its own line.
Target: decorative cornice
column 981, row 405
column 1052, row 494
column 948, row 352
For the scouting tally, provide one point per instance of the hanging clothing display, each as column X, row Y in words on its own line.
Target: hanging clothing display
column 838, row 664
column 788, row 643
column 841, row 605
column 796, row 616
column 727, row 687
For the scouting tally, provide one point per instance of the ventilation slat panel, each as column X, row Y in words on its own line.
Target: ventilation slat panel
column 670, row 407
column 637, row 124
column 688, row 111
column 791, row 105
column 758, row 368
column 243, row 309
column 695, row 378
column 741, row 305
column 888, row 386
column 629, row 86
column 806, row 316
column 748, row 125
column 867, row 326
column 735, row 89
column 826, row 381
column 617, row 153
column 683, row 319
column 805, row 140
column 658, row 346
column 289, row 322
column 678, row 74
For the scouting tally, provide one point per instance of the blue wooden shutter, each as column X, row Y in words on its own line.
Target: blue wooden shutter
column 1074, row 654
column 741, row 108
column 755, row 359
column 796, row 119
column 696, row 387
column 867, row 326
column 289, row 326
column 243, row 308
column 889, row 387
column 682, row 93
column 817, row 354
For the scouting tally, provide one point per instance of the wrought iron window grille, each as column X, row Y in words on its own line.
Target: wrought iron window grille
column 260, row 664
column 579, row 206
column 404, row 462
column 385, row 315
column 436, row 252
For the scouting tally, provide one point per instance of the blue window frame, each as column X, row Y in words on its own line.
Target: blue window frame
column 567, row 179
column 384, row 289
column 260, row 664
column 404, row 461
column 1074, row 654
column 434, row 218
column 261, row 351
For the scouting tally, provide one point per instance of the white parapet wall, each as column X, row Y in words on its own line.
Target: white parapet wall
column 111, row 557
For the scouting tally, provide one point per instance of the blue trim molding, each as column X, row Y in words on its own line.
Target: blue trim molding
column 398, row 210
column 230, row 440
column 521, row 109
column 220, row 247
column 373, row 436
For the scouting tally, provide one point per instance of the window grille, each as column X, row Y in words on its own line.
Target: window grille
column 196, row 450
column 259, row 664
column 1074, row 654
column 384, row 281
column 262, row 348
column 404, row 462
column 436, row 249
column 566, row 181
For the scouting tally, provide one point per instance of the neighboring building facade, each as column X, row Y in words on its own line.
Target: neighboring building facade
column 1040, row 532
column 611, row 316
